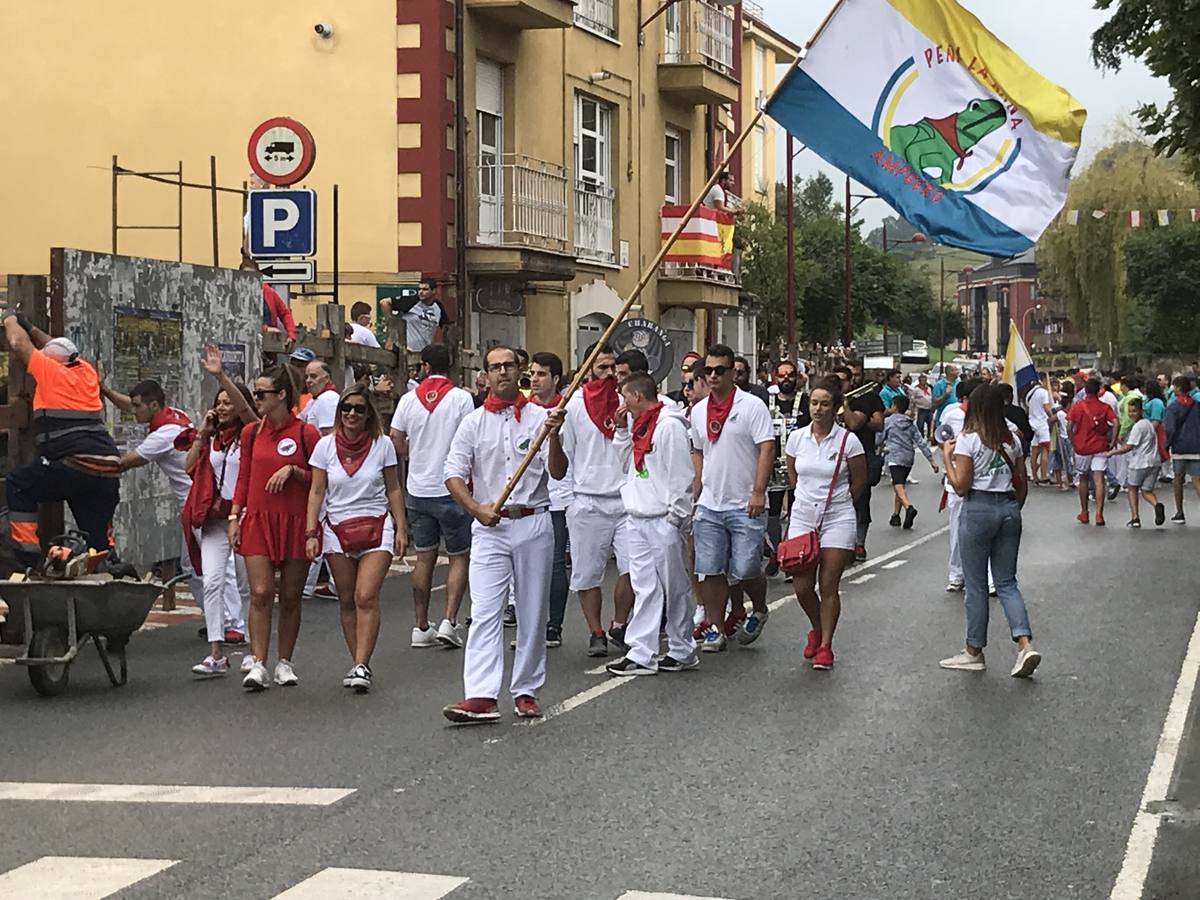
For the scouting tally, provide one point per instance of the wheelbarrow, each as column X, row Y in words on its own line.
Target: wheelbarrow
column 59, row 617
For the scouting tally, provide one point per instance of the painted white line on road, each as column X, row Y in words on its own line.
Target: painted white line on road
column 350, row 884
column 1139, row 851
column 170, row 793
column 642, row 895
column 579, row 699
column 895, row 564
column 77, row 877
column 863, row 579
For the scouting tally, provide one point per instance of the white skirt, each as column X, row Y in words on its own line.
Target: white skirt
column 839, row 528
column 330, row 542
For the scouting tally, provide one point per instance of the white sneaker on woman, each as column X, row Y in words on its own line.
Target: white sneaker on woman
column 257, row 678
column 285, row 675
column 1027, row 661
column 211, row 667
column 965, row 662
column 248, row 662
column 449, row 634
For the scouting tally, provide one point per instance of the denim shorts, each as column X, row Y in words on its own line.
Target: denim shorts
column 728, row 543
column 433, row 520
column 1186, row 467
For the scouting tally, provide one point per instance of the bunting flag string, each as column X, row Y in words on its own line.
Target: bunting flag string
column 1134, row 218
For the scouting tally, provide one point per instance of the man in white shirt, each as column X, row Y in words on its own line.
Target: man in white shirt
column 321, row 413
column 735, row 441
column 584, row 449
column 360, row 325
column 512, row 546
column 1041, row 414
column 718, row 196
column 422, row 428
column 655, row 450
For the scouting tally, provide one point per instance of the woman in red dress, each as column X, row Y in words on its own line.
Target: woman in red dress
column 266, row 524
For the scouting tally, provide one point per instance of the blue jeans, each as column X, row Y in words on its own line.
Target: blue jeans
column 558, row 572
column 989, row 530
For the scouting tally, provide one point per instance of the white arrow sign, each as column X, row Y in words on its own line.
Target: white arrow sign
column 289, row 271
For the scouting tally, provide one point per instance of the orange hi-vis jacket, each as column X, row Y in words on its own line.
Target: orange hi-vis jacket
column 68, row 413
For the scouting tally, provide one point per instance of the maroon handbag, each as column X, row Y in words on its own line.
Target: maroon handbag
column 802, row 553
column 360, row 533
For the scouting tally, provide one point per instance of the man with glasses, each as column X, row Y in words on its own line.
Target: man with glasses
column 512, row 546
column 422, row 427
column 741, row 376
column 733, row 435
column 584, row 448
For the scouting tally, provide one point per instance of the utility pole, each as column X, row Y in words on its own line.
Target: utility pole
column 849, row 333
column 942, row 316
column 791, row 254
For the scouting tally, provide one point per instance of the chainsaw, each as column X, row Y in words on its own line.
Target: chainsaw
column 69, row 556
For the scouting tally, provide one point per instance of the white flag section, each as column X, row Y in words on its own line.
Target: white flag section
column 1019, row 369
column 920, row 102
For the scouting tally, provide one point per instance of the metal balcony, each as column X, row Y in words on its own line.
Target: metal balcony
column 526, row 14
column 696, row 65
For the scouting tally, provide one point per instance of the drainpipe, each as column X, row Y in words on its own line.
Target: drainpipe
column 463, row 311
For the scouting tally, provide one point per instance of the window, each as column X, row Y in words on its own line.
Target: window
column 594, row 197
column 592, row 137
column 671, row 35
column 597, row 15
column 760, row 74
column 759, row 151
column 673, row 162
column 489, row 148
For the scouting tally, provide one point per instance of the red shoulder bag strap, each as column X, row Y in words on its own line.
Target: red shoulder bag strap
column 837, row 470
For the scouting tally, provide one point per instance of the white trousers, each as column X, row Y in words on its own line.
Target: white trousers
column 314, row 571
column 954, row 504
column 224, row 588
column 517, row 552
column 659, row 574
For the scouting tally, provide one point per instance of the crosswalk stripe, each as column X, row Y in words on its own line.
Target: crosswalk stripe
column 643, row 895
column 350, row 884
column 77, row 877
column 863, row 579
column 170, row 793
column 895, row 564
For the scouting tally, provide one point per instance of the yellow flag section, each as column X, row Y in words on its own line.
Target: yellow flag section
column 1019, row 369
column 1049, row 107
column 707, row 240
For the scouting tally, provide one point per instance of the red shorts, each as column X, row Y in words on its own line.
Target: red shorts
column 277, row 536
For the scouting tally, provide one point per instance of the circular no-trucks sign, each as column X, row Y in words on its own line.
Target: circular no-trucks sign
column 281, row 151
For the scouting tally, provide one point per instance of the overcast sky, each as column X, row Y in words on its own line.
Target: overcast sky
column 1053, row 36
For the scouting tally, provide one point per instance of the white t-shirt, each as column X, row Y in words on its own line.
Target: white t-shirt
column 953, row 418
column 716, row 195
column 1144, row 440
column 321, row 413
column 360, row 334
column 1037, row 401
column 814, row 469
column 159, row 448
column 1111, row 399
column 991, row 471
column 731, row 461
column 594, row 463
column 429, row 436
column 225, row 465
column 364, row 493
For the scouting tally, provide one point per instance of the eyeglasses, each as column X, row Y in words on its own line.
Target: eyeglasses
column 258, row 395
column 689, row 385
column 357, row 408
column 502, row 367
column 715, row 370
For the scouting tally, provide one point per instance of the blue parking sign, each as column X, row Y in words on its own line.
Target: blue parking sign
column 282, row 223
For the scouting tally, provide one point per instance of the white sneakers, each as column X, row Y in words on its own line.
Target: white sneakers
column 257, row 678
column 211, row 667
column 449, row 634
column 965, row 662
column 1027, row 661
column 954, row 587
column 247, row 662
column 425, row 637
column 285, row 675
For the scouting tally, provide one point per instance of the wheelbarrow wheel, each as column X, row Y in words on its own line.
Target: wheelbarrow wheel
column 49, row 680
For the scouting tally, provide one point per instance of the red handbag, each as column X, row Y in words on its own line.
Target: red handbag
column 802, row 553
column 360, row 533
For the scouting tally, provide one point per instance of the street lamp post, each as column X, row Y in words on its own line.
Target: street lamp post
column 1025, row 321
column 967, row 270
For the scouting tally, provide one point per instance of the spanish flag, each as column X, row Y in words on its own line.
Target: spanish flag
column 706, row 241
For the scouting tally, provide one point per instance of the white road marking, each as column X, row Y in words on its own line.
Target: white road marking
column 351, row 884
column 170, row 793
column 598, row 690
column 1139, row 851
column 643, row 895
column 863, row 579
column 895, row 564
column 77, row 877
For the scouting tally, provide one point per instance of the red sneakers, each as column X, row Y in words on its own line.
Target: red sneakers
column 698, row 631
column 732, row 621
column 526, row 707
column 823, row 659
column 1099, row 519
column 234, row 637
column 472, row 711
column 1083, row 518
column 814, row 643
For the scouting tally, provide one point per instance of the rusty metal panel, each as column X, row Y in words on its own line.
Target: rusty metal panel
column 153, row 318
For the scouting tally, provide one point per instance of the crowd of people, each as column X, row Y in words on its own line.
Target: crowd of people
column 289, row 474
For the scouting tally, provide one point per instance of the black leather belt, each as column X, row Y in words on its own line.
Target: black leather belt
column 520, row 512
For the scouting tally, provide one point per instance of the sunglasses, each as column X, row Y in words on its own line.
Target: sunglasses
column 715, row 370
column 502, row 367
column 358, row 408
column 689, row 385
column 258, row 395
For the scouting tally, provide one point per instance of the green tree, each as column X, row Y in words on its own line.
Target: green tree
column 1165, row 35
column 1163, row 275
column 1085, row 263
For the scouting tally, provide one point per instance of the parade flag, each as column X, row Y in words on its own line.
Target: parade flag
column 918, row 101
column 1073, row 217
column 1164, row 217
column 706, row 241
column 1135, row 218
column 1018, row 364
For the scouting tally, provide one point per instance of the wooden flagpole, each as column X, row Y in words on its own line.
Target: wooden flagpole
column 642, row 282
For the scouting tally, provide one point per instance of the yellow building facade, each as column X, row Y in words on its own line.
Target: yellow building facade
column 577, row 128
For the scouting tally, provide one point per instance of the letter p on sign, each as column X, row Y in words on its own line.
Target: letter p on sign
column 282, row 223
column 280, row 215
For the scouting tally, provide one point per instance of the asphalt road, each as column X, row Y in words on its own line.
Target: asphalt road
column 751, row 777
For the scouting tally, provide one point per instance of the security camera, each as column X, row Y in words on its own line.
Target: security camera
column 323, row 29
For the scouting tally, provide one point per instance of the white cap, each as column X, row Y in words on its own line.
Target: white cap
column 62, row 349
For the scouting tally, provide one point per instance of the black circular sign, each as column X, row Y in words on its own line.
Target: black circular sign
column 652, row 340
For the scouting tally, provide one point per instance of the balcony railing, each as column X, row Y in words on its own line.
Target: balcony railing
column 705, row 250
column 594, row 222
column 523, row 202
column 704, row 35
column 597, row 15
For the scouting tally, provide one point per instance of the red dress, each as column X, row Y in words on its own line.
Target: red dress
column 273, row 524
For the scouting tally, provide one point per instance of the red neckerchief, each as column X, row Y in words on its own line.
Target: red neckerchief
column 643, row 433
column 549, row 404
column 433, row 390
column 352, row 453
column 226, row 436
column 1185, row 401
column 717, row 413
column 601, row 400
column 962, row 404
column 329, row 386
column 169, row 415
column 494, row 404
